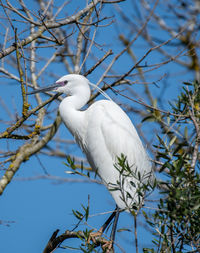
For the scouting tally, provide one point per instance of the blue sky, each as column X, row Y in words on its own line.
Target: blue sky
column 31, row 210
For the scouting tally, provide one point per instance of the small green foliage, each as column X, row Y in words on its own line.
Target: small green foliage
column 78, row 215
column 86, row 246
column 130, row 178
column 189, row 97
column 84, row 214
column 176, row 221
column 76, row 169
column 70, row 163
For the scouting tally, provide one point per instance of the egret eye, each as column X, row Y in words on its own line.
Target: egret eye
column 62, row 83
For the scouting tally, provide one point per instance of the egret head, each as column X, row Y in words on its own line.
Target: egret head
column 71, row 84
column 68, row 84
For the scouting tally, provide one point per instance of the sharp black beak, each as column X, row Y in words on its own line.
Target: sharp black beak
column 49, row 88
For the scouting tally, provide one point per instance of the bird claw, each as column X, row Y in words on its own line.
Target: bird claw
column 105, row 244
column 93, row 235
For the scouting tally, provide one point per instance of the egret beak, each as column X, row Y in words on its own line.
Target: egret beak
column 49, row 88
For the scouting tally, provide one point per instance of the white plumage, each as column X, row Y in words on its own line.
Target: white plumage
column 104, row 132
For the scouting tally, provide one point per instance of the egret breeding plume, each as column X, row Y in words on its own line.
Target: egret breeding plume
column 104, row 132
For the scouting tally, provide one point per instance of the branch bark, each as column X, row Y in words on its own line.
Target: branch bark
column 25, row 152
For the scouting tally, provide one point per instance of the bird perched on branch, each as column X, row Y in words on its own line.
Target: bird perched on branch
column 107, row 137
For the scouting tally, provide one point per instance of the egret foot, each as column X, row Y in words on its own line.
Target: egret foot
column 93, row 235
column 107, row 245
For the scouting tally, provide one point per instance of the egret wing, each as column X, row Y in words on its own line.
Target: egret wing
column 121, row 137
column 111, row 134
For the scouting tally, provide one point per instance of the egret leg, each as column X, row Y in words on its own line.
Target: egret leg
column 114, row 228
column 105, row 225
column 109, row 244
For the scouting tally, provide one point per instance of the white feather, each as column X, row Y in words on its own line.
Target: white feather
column 104, row 132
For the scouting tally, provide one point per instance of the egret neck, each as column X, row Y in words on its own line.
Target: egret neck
column 70, row 111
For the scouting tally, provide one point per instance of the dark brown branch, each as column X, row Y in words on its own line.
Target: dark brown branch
column 55, row 240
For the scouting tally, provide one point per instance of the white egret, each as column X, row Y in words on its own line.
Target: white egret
column 104, row 132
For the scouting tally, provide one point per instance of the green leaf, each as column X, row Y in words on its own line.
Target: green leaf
column 149, row 118
column 172, row 141
column 186, row 133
